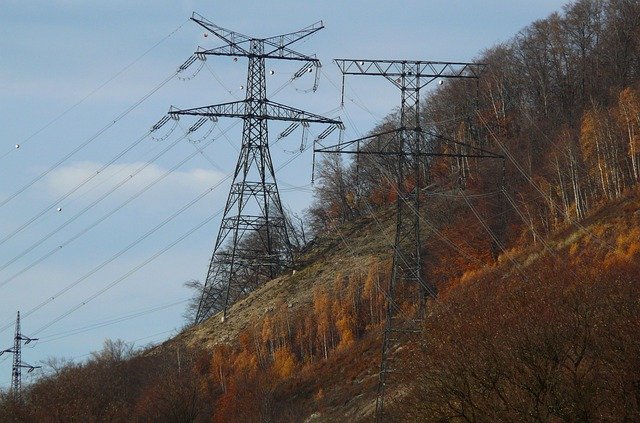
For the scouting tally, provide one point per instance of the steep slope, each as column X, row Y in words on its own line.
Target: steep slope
column 537, row 315
column 592, row 265
column 336, row 264
column 349, row 248
column 549, row 334
column 549, row 331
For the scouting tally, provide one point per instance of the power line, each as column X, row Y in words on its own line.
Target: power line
column 72, row 332
column 53, row 251
column 72, row 191
column 148, row 260
column 83, row 99
column 530, row 180
column 89, row 140
column 127, row 248
column 99, row 199
column 135, row 269
column 94, row 203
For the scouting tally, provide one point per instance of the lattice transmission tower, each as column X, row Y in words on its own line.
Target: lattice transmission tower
column 409, row 144
column 18, row 364
column 253, row 241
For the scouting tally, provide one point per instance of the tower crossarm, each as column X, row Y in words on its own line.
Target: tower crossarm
column 285, row 40
column 26, row 338
column 237, row 44
column 346, row 147
column 31, row 368
column 389, row 148
column 394, row 69
column 234, row 40
column 280, row 44
column 422, row 68
column 272, row 111
column 278, row 53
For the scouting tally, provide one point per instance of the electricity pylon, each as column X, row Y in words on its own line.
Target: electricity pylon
column 253, row 243
column 18, row 364
column 409, row 143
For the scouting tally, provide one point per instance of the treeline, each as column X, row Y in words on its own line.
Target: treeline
column 557, row 343
column 276, row 358
column 552, row 337
column 561, row 100
column 279, row 356
column 115, row 384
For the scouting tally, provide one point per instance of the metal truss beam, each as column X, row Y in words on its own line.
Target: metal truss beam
column 242, row 109
column 238, row 44
column 415, row 69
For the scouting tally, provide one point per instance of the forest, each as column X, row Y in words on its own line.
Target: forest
column 535, row 259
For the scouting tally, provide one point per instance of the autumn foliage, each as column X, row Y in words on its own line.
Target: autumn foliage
column 536, row 268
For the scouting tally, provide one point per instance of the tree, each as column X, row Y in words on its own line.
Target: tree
column 191, row 310
column 629, row 116
column 284, row 362
column 114, row 351
column 333, row 194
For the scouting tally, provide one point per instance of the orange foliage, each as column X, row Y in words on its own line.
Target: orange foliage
column 268, row 354
column 221, row 365
column 284, row 362
column 392, row 195
column 627, row 248
column 377, row 197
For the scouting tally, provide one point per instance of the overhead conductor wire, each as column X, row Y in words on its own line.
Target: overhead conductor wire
column 104, row 84
column 157, row 227
column 93, row 137
column 145, row 262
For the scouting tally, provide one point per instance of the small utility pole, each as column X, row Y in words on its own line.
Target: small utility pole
column 18, row 364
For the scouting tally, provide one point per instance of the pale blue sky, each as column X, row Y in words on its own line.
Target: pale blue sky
column 54, row 53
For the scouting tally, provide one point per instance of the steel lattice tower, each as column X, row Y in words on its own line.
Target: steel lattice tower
column 253, row 243
column 18, row 364
column 16, row 374
column 409, row 144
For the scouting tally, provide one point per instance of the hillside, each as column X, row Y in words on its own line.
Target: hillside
column 349, row 249
column 535, row 259
column 587, row 269
column 561, row 316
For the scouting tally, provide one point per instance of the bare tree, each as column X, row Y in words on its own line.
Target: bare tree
column 114, row 351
